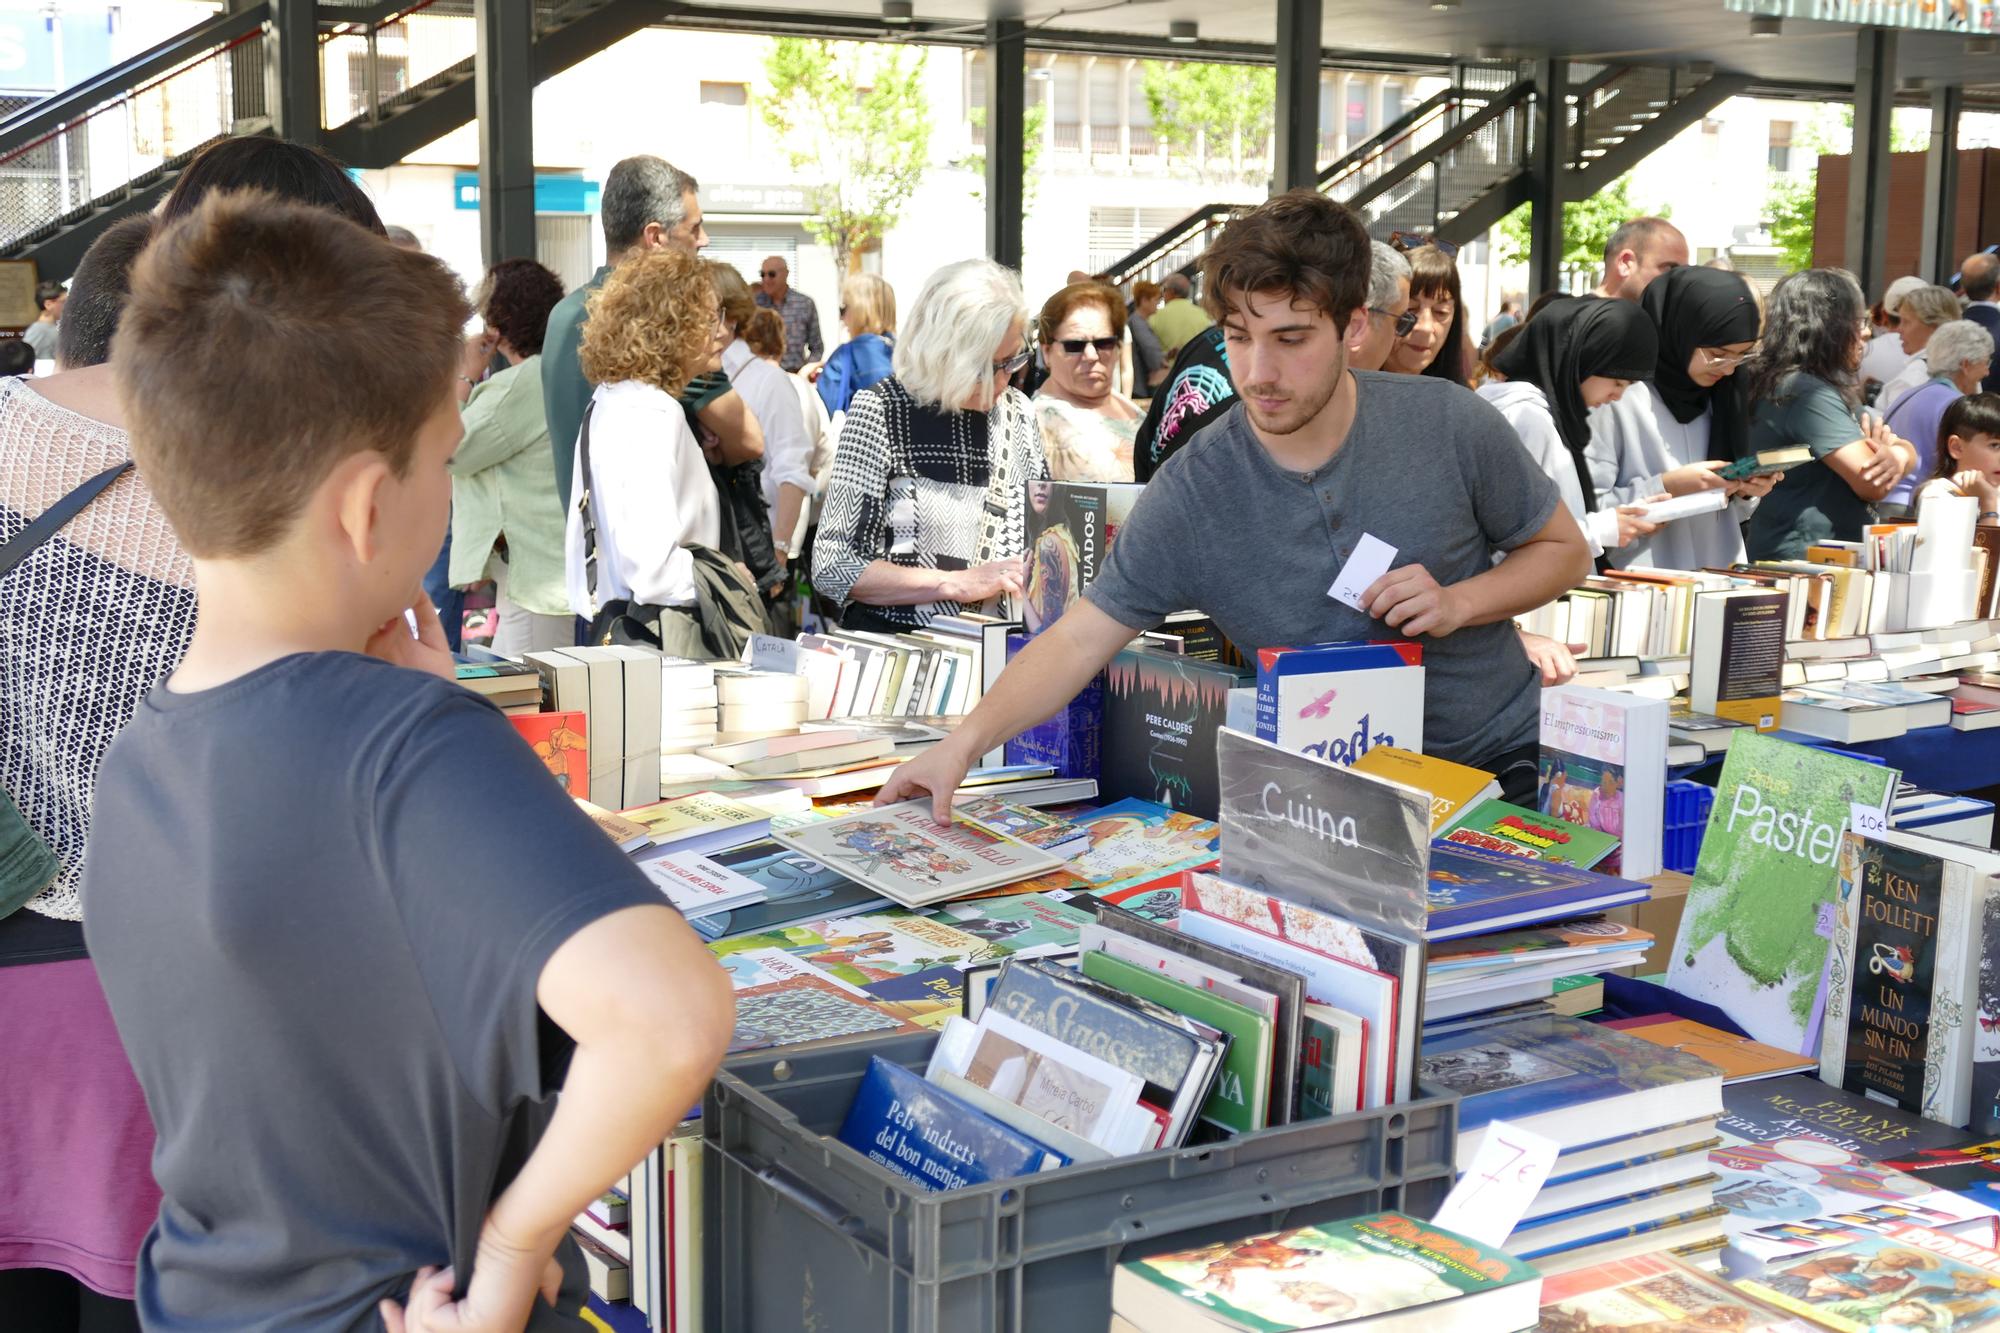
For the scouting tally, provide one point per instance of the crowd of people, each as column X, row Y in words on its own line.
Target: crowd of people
column 230, row 836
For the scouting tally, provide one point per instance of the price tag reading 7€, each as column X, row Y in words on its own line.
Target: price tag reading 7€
column 1506, row 1174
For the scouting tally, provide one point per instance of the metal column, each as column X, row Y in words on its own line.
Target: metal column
column 1938, row 253
column 1298, row 53
column 292, row 71
column 1550, row 131
column 1006, row 109
column 505, row 87
column 1867, row 254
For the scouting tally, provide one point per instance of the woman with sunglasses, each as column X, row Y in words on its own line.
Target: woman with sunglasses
column 1087, row 427
column 1675, row 430
column 1437, row 343
column 924, row 513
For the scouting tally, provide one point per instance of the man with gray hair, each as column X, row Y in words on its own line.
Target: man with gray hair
column 648, row 203
column 1388, row 315
column 1960, row 354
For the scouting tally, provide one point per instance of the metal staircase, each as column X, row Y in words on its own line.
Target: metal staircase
column 1458, row 162
column 394, row 76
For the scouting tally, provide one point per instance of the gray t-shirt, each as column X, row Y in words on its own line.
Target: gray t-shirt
column 320, row 898
column 43, row 338
column 1428, row 467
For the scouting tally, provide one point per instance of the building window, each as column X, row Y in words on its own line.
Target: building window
column 1781, row 145
column 725, row 94
column 1357, row 110
column 1392, row 103
column 1068, row 111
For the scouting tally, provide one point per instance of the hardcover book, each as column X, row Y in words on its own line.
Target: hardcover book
column 1017, row 924
column 1453, row 788
column 1579, row 940
column 1496, row 826
column 940, row 1141
column 902, row 854
column 1336, row 1274
column 1036, row 828
column 1239, row 1100
column 561, row 741
column 1071, row 742
column 926, row 998
column 1803, row 1109
column 1738, row 653
column 1474, row 892
column 1604, row 766
column 1071, row 1088
column 801, row 1009
column 1652, row 1293
column 1337, row 701
column 1902, row 982
column 1161, row 716
column 1755, row 931
column 1902, row 1277
column 1132, row 842
column 876, row 946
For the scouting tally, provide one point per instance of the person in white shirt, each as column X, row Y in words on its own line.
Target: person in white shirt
column 1576, row 354
column 1674, row 431
column 767, row 391
column 1923, row 312
column 651, row 327
column 1885, row 355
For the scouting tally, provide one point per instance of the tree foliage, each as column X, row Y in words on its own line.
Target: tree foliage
column 1220, row 113
column 1788, row 208
column 1033, row 122
column 1587, row 226
column 855, row 123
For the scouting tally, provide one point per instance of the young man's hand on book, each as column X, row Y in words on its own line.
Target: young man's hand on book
column 937, row 773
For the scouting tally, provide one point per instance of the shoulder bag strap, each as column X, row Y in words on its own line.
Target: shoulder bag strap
column 56, row 517
column 583, row 506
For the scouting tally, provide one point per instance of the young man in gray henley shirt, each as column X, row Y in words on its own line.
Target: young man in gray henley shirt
column 1254, row 518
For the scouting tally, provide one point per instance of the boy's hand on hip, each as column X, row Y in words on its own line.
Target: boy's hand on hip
column 1411, row 602
column 501, row 1297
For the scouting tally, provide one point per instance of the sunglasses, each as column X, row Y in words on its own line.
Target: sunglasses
column 1075, row 346
column 1406, row 241
column 771, row 273
column 843, row 312
column 1404, row 322
column 1012, row 363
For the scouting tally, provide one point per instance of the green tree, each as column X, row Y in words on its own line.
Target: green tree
column 854, row 121
column 1215, row 113
column 1587, row 226
column 1032, row 122
column 1788, row 209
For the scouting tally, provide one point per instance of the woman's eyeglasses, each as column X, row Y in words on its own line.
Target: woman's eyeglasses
column 1406, row 241
column 1012, row 363
column 1075, row 346
column 1404, row 322
column 1726, row 361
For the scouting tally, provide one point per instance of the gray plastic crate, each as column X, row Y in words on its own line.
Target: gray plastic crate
column 801, row 1234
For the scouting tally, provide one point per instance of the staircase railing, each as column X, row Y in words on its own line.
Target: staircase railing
column 88, row 148
column 1433, row 169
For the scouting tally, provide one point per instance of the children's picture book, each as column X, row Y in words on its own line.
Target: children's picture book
column 1337, row 701
column 1161, row 714
column 1902, row 1277
column 1604, row 767
column 767, row 962
column 1759, row 918
column 1330, row 1276
column 876, row 946
column 562, row 742
column 797, row 889
column 1025, row 921
column 1902, row 981
column 1132, row 842
column 1653, row 1293
column 926, row 998
column 807, row 1008
column 1037, row 828
column 1453, row 788
column 902, row 854
column 1239, row 1099
column 1739, row 1058
column 925, row 1134
column 1474, row 891
column 1156, row 900
column 1496, row 826
column 1800, row 1109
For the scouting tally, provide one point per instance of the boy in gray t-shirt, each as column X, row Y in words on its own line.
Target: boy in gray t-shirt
column 1253, row 520
column 352, row 936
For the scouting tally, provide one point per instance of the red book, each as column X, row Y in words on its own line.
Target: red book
column 560, row 741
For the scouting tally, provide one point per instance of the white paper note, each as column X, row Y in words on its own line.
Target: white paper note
column 1505, row 1175
column 1370, row 561
column 1866, row 820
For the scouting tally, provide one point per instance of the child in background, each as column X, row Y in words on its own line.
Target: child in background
column 1968, row 455
column 349, row 1038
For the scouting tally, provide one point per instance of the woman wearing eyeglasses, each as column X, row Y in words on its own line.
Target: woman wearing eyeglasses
column 924, row 513
column 1087, row 428
column 1436, row 344
column 1675, row 430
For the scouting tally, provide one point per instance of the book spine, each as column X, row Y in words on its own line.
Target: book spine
column 1954, row 998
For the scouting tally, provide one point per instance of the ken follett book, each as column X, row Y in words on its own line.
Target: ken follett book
column 928, row 1135
column 1161, row 716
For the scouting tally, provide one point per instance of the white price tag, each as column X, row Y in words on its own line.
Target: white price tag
column 1370, row 561
column 1506, row 1174
column 1867, row 821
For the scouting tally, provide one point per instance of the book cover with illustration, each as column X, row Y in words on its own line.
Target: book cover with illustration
column 1902, row 1277
column 928, row 998
column 1758, row 920
column 797, row 888
column 1239, row 1100
column 1337, row 701
column 1069, row 529
column 1579, row 939
column 1653, row 1293
column 925, row 1134
column 1132, row 842
column 1037, row 828
column 1969, row 1170
column 1161, row 715
column 1017, row 923
column 1805, row 1116
column 1986, row 1034
column 800, row 1009
column 1324, row 1276
column 1473, row 891
column 901, row 853
column 1497, row 826
column 877, row 946
column 561, row 741
column 1453, row 788
column 1071, row 742
column 1737, row 1057
column 1901, row 978
column 1604, row 766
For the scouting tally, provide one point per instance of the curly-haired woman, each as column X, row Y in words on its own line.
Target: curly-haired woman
column 652, row 326
column 507, row 519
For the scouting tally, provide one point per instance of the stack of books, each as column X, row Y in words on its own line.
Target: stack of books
column 512, row 687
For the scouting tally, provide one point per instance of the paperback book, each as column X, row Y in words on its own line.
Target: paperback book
column 1902, row 1277
column 561, row 741
column 901, row 853
column 1161, row 715
column 925, row 1134
column 797, row 888
column 1453, row 788
column 1604, row 767
column 1653, row 1293
column 1801, row 1109
column 1239, row 1099
column 1496, row 826
column 1337, row 701
column 804, row 1009
column 1071, row 742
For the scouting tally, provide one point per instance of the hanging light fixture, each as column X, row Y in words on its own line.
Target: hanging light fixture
column 1186, row 32
column 898, row 11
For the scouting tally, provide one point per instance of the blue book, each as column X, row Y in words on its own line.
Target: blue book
column 1072, row 740
column 937, row 1139
column 1473, row 891
column 1566, row 1079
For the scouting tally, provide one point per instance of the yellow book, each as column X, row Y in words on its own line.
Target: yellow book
column 1454, row 788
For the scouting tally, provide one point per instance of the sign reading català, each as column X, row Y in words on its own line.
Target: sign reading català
column 1927, row 15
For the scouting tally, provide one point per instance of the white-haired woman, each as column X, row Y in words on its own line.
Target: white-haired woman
column 924, row 513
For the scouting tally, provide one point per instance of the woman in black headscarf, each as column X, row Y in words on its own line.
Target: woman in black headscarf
column 1673, row 432
column 1577, row 354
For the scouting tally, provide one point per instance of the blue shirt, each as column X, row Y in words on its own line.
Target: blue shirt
column 857, row 364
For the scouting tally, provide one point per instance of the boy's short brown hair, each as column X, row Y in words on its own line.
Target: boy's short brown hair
column 264, row 342
column 1301, row 242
